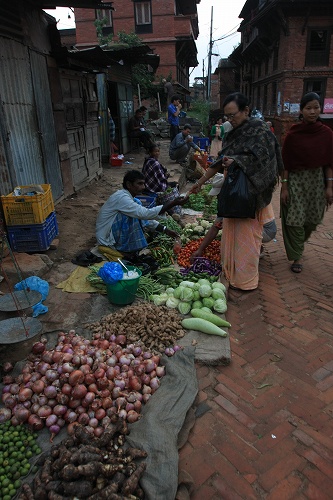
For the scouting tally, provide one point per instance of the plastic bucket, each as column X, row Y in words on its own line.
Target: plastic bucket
column 123, row 292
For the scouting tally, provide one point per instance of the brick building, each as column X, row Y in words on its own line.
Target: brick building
column 169, row 27
column 286, row 50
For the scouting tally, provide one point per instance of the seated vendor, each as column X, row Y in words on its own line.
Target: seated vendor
column 156, row 175
column 136, row 128
column 181, row 145
column 122, row 218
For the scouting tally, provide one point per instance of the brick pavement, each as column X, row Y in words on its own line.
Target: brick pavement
column 268, row 429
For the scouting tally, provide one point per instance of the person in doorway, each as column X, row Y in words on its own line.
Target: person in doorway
column 112, row 132
column 143, row 110
column 136, row 128
column 254, row 149
column 307, row 178
column 122, row 219
column 181, row 145
column 174, row 109
column 216, row 134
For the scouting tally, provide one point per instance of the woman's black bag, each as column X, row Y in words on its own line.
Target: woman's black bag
column 235, row 199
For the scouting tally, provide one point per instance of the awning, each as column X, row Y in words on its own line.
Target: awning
column 97, row 58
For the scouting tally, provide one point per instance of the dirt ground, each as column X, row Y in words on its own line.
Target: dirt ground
column 76, row 215
column 76, row 218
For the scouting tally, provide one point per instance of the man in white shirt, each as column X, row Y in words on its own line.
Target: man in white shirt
column 122, row 219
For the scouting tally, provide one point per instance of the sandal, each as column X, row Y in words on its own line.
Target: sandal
column 296, row 268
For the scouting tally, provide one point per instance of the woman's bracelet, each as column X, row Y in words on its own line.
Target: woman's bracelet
column 329, row 178
column 284, row 180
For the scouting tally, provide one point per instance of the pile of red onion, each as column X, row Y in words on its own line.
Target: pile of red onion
column 81, row 382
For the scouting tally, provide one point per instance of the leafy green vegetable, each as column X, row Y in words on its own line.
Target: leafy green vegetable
column 208, row 302
column 197, row 304
column 218, row 284
column 186, row 294
column 184, row 307
column 189, row 284
column 177, row 292
column 159, row 300
column 217, row 293
column 172, row 302
column 220, row 306
column 204, row 281
column 205, row 290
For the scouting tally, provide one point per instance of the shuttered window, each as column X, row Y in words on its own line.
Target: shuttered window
column 318, row 45
column 142, row 13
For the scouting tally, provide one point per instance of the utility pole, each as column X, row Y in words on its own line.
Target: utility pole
column 203, row 79
column 209, row 72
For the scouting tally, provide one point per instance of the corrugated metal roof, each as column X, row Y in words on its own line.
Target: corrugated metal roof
column 96, row 56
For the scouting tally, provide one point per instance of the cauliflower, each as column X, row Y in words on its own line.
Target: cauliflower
column 205, row 223
column 199, row 229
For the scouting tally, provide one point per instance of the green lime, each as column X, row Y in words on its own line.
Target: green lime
column 6, row 497
column 17, row 484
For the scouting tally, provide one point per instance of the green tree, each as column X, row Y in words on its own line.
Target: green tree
column 102, row 39
column 200, row 110
column 140, row 75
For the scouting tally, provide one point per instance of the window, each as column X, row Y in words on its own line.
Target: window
column 264, row 104
column 258, row 98
column 318, row 45
column 266, row 66
column 318, row 86
column 275, row 57
column 259, row 70
column 143, row 17
column 274, row 96
column 105, row 15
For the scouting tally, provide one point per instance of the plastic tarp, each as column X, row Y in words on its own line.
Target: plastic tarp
column 163, row 418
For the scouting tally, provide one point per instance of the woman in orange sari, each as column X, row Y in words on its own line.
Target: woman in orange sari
column 252, row 147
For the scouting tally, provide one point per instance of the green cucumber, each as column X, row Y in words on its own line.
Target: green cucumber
column 204, row 326
column 213, row 318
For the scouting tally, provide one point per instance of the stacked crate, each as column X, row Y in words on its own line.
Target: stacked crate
column 30, row 219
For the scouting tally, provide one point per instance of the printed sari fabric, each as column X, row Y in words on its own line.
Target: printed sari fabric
column 240, row 250
column 255, row 150
column 305, row 210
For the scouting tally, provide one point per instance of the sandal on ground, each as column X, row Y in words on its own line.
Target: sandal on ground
column 296, row 268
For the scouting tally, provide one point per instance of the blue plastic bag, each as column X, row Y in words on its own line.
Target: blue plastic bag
column 38, row 285
column 111, row 272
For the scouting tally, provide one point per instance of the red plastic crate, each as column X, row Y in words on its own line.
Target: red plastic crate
column 115, row 161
